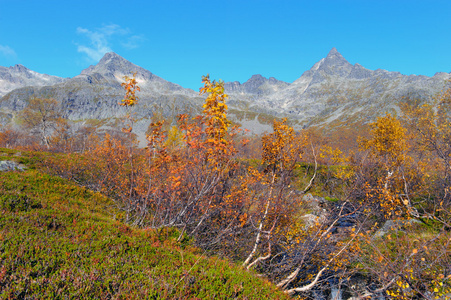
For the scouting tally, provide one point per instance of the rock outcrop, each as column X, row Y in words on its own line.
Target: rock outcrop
column 8, row 165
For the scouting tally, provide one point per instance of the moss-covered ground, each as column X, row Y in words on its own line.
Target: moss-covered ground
column 62, row 241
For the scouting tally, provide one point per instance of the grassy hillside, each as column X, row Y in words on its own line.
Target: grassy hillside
column 62, row 241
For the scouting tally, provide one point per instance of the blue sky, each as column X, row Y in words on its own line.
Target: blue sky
column 231, row 40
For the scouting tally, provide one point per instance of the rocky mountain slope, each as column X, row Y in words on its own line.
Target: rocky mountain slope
column 96, row 92
column 256, row 87
column 333, row 92
column 335, row 89
column 19, row 76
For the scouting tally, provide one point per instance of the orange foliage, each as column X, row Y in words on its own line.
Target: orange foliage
column 130, row 86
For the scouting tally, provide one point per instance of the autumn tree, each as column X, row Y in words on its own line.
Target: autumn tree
column 430, row 128
column 406, row 171
column 10, row 137
column 208, row 164
column 388, row 173
column 281, row 150
column 184, row 179
column 279, row 244
column 131, row 199
column 42, row 116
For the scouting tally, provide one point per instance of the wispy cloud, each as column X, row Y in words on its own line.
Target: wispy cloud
column 7, row 51
column 133, row 42
column 101, row 40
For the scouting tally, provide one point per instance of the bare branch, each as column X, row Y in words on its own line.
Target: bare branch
column 260, row 227
column 314, row 174
column 317, row 277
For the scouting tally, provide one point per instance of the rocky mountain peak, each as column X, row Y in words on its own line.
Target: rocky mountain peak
column 19, row 68
column 256, row 79
column 112, row 68
column 333, row 51
column 335, row 58
column 333, row 64
column 112, row 58
column 256, row 85
column 112, row 65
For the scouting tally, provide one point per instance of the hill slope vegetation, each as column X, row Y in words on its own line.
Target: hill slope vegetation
column 59, row 240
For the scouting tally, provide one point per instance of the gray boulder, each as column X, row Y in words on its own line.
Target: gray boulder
column 311, row 220
column 8, row 165
column 393, row 226
column 315, row 204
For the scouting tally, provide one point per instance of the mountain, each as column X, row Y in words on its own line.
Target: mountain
column 113, row 67
column 332, row 93
column 335, row 90
column 96, row 92
column 256, row 86
column 19, row 76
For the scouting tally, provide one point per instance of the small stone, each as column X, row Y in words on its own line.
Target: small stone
column 7, row 165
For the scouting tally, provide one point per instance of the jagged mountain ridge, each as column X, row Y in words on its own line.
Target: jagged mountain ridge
column 333, row 89
column 96, row 92
column 19, row 76
column 256, row 86
column 114, row 67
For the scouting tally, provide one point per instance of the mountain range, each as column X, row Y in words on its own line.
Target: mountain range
column 332, row 93
column 19, row 76
column 335, row 89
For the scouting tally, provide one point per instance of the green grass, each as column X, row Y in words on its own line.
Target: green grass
column 62, row 241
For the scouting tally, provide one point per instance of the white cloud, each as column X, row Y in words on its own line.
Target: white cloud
column 101, row 40
column 133, row 42
column 7, row 51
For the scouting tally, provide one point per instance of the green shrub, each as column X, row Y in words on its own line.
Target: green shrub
column 59, row 240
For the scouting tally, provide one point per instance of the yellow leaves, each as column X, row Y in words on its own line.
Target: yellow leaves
column 282, row 148
column 130, row 86
column 388, row 139
column 414, row 251
column 215, row 119
column 402, row 284
column 335, row 155
column 175, row 139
